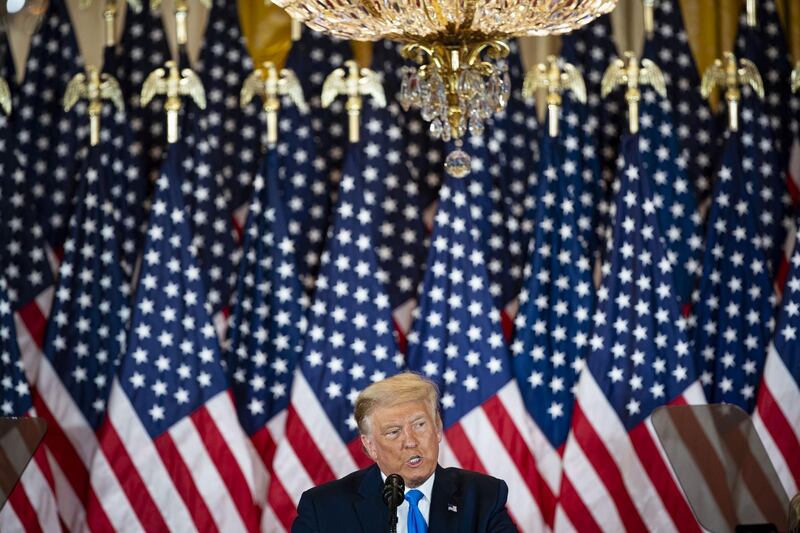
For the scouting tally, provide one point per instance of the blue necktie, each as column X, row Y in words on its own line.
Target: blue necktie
column 416, row 523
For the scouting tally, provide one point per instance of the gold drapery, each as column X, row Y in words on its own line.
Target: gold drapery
column 711, row 25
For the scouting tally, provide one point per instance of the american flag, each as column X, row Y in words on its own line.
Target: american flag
column 312, row 58
column 31, row 505
column 673, row 194
column 410, row 161
column 142, row 48
column 86, row 335
column 24, row 264
column 23, row 254
column 349, row 344
column 233, row 132
column 401, row 237
column 694, row 123
column 736, row 300
column 223, row 144
column 592, row 49
column 553, row 323
column 172, row 445
column 305, row 190
column 580, row 165
column 485, row 185
column 777, row 413
column 48, row 138
column 267, row 322
column 209, row 207
column 767, row 47
column 615, row 475
column 423, row 153
column 122, row 165
column 401, row 231
column 512, row 143
column 457, row 341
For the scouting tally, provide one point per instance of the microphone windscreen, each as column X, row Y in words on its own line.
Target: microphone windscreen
column 393, row 490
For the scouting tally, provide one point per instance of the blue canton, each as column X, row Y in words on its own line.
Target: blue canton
column 673, row 194
column 48, row 138
column 457, row 340
column 268, row 319
column 767, row 47
column 305, row 190
column 172, row 364
column 692, row 118
column 143, row 47
column 640, row 353
column 15, row 394
column 350, row 341
column 86, row 334
column 312, row 58
column 557, row 300
column 23, row 255
column 592, row 49
column 735, row 305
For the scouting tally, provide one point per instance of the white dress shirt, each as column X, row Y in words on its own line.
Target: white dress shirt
column 424, row 504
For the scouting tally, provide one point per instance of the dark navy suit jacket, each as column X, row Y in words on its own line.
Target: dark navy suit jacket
column 461, row 501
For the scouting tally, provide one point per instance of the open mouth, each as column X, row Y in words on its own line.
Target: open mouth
column 414, row 460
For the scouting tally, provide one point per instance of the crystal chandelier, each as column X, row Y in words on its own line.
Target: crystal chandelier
column 459, row 83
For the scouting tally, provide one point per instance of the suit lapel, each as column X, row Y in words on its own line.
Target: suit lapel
column 445, row 502
column 372, row 512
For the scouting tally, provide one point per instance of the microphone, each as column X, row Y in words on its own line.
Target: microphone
column 393, row 491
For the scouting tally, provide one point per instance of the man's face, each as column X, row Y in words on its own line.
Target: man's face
column 404, row 439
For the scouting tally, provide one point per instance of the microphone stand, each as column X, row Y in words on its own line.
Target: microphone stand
column 393, row 489
column 392, row 517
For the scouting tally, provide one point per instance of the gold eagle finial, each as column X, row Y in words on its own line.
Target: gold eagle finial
column 548, row 76
column 728, row 73
column 95, row 87
column 633, row 75
column 271, row 85
column 173, row 84
column 355, row 83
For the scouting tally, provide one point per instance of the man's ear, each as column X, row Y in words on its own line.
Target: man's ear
column 369, row 447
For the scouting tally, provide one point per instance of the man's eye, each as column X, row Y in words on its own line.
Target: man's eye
column 393, row 433
column 421, row 424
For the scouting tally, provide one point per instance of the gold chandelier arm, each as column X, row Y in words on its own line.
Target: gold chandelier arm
column 495, row 49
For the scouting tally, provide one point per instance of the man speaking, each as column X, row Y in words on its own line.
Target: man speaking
column 400, row 427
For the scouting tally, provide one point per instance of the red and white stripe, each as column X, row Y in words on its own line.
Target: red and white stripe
column 311, row 453
column 69, row 442
column 615, row 480
column 495, row 439
column 777, row 420
column 792, row 180
column 198, row 475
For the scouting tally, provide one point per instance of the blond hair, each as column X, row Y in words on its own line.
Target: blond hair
column 400, row 388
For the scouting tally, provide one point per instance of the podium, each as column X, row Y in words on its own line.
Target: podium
column 723, row 468
column 19, row 439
